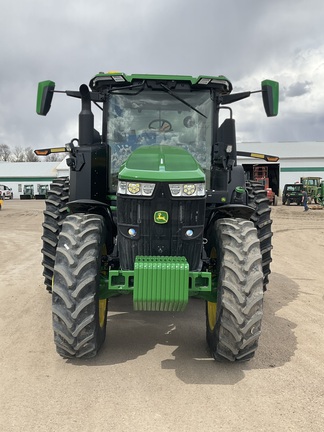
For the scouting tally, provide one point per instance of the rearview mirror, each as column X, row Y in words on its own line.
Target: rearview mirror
column 44, row 97
column 270, row 96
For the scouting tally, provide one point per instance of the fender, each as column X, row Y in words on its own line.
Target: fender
column 99, row 208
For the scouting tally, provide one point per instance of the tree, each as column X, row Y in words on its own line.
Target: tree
column 24, row 155
column 30, row 155
column 55, row 157
column 4, row 152
column 18, row 154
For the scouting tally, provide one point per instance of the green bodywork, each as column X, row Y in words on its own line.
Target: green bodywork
column 44, row 97
column 158, row 284
column 320, row 194
column 161, row 164
column 312, row 186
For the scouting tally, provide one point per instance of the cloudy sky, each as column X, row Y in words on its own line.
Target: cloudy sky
column 69, row 41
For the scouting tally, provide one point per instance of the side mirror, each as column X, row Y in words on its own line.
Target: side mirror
column 44, row 97
column 270, row 96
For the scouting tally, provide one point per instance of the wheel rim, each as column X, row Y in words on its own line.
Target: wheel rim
column 211, row 312
column 212, row 306
column 102, row 312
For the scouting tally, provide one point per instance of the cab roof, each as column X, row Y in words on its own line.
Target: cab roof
column 120, row 79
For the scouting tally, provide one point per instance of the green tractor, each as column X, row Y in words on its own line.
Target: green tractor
column 157, row 207
column 312, row 186
column 320, row 194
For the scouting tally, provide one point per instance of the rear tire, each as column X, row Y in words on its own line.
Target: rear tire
column 55, row 212
column 233, row 325
column 257, row 198
column 79, row 316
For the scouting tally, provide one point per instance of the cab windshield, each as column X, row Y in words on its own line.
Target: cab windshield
column 159, row 118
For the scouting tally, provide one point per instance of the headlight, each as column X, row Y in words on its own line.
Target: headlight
column 135, row 188
column 187, row 189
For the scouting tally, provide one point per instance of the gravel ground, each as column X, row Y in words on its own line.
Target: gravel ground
column 154, row 372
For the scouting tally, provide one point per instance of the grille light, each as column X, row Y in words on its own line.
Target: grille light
column 187, row 189
column 132, row 232
column 135, row 188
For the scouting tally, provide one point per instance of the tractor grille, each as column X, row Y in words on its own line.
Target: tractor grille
column 136, row 215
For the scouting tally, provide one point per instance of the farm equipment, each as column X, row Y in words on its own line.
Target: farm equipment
column 320, row 194
column 311, row 185
column 292, row 193
column 156, row 207
column 42, row 191
column 260, row 174
column 28, row 192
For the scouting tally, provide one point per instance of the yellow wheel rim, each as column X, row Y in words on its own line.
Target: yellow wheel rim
column 211, row 313
column 211, row 306
column 102, row 312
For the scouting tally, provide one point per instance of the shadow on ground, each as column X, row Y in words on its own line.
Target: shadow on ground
column 132, row 334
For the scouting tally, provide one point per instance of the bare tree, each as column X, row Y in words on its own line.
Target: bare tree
column 5, row 152
column 55, row 157
column 24, row 155
column 30, row 155
column 18, row 154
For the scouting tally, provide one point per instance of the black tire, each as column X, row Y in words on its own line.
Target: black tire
column 257, row 198
column 233, row 326
column 79, row 317
column 288, row 202
column 55, row 212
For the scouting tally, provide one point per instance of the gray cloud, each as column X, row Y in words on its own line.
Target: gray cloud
column 70, row 41
column 297, row 89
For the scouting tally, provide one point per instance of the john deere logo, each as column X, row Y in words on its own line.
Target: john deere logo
column 161, row 217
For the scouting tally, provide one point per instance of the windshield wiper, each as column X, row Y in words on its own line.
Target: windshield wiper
column 165, row 88
column 120, row 90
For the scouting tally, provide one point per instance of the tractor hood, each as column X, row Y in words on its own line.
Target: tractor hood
column 161, row 163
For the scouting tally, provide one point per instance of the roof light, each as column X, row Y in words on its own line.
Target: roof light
column 204, row 81
column 118, row 78
column 223, row 82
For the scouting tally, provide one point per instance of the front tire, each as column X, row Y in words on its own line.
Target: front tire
column 79, row 316
column 233, row 325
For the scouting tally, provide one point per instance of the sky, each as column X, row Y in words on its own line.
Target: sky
column 69, row 41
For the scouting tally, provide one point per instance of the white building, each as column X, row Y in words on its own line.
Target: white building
column 296, row 159
column 16, row 175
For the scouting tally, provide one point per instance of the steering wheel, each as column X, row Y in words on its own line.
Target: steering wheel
column 161, row 125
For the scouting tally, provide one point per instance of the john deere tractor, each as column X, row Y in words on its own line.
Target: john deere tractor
column 156, row 207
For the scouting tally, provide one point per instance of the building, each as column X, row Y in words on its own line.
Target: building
column 16, row 175
column 296, row 159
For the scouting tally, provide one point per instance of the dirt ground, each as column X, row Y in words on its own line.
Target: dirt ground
column 154, row 372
